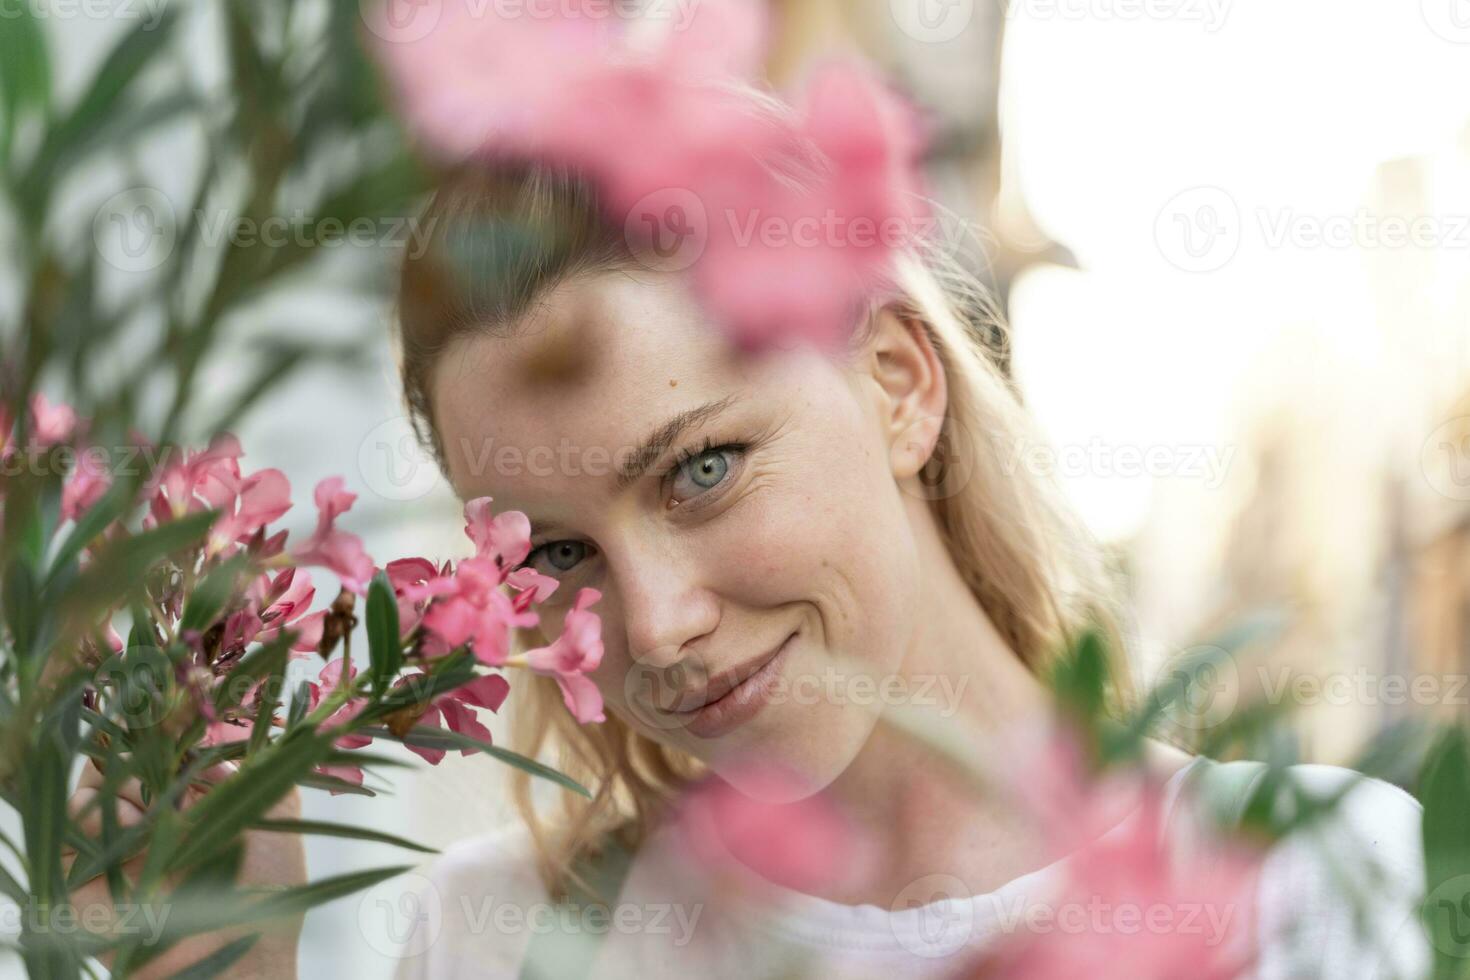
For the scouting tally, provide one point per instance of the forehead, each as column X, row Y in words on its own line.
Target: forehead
column 637, row 350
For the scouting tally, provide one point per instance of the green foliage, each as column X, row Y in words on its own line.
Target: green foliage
column 298, row 126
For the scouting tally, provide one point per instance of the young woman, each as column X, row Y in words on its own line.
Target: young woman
column 753, row 522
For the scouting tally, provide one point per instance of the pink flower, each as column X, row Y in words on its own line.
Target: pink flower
column 575, row 652
column 453, row 709
column 258, row 500
column 404, row 573
column 506, row 537
column 84, row 487
column 647, row 117
column 350, row 774
column 1130, row 869
column 333, row 548
column 329, row 679
column 202, row 480
column 469, row 607
column 774, row 828
column 51, row 424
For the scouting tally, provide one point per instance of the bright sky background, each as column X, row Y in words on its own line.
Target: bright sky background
column 1283, row 109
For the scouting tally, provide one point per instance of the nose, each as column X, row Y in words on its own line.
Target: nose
column 666, row 603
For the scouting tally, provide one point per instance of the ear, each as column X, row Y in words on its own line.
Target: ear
column 910, row 386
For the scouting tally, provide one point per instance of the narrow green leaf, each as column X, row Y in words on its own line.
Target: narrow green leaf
column 327, row 829
column 1446, row 798
column 121, row 565
column 303, row 898
column 334, row 784
column 25, row 73
column 219, row 961
column 235, row 803
column 430, row 737
column 212, row 593
column 93, row 522
column 385, row 645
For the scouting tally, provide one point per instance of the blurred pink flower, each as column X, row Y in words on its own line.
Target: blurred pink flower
column 202, row 480
column 254, row 502
column 575, row 652
column 643, row 109
column 51, row 424
column 331, row 547
column 802, row 845
column 1150, row 910
column 84, row 486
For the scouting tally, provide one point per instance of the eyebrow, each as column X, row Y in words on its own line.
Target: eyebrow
column 658, row 441
column 653, row 446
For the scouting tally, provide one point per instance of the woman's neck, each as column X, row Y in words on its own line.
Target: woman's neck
column 923, row 815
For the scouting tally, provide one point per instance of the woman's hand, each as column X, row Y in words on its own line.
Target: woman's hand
column 270, row 859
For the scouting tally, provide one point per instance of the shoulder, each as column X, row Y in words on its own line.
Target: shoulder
column 499, row 860
column 472, row 905
column 1338, row 896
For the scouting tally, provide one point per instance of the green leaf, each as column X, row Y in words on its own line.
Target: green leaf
column 262, row 662
column 385, row 646
column 22, row 606
column 1446, row 798
column 242, row 799
column 25, row 73
column 44, row 792
column 336, row 784
column 1080, row 679
column 124, row 63
column 220, row 960
column 450, row 672
column 93, row 522
column 431, row 737
column 213, row 593
column 121, row 566
column 302, row 898
column 324, row 828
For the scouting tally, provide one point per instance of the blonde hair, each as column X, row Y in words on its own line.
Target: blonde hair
column 504, row 233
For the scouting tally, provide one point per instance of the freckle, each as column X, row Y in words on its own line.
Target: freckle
column 673, row 383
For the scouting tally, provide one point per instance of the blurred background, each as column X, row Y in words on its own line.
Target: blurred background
column 1233, row 240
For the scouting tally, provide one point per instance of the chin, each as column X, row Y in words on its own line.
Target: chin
column 786, row 766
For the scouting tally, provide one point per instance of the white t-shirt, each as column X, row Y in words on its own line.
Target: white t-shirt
column 484, row 902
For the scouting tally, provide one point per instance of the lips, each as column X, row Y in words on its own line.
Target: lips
column 721, row 685
column 742, row 693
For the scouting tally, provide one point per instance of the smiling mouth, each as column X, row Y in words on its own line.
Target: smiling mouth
column 736, row 696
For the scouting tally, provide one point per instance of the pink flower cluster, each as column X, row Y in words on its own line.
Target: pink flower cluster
column 441, row 608
column 682, row 159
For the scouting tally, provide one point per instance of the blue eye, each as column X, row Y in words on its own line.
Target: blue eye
column 562, row 555
column 708, row 467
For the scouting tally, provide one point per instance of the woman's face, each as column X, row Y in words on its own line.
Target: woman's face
column 784, row 524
